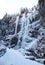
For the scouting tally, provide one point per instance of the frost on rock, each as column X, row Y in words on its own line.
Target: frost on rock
column 24, row 32
column 2, row 50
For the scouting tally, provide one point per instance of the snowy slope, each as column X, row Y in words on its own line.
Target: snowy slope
column 13, row 57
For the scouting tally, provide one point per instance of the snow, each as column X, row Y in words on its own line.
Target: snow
column 13, row 57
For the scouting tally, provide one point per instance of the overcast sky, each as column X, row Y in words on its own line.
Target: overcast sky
column 13, row 6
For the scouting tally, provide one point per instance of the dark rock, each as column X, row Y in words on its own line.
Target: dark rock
column 34, row 33
column 42, row 11
column 30, row 20
column 0, row 32
column 2, row 50
column 14, row 41
column 44, row 62
column 11, row 30
column 43, row 22
column 37, row 17
column 24, row 10
column 3, row 32
column 44, row 55
column 18, row 28
column 33, row 19
column 20, row 16
column 7, row 18
column 41, row 2
column 42, row 39
column 21, row 39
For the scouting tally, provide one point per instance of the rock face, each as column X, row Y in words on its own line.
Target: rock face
column 25, row 31
column 43, row 22
column 14, row 41
column 42, row 7
column 0, row 31
column 41, row 2
column 34, row 33
column 6, row 27
column 18, row 28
